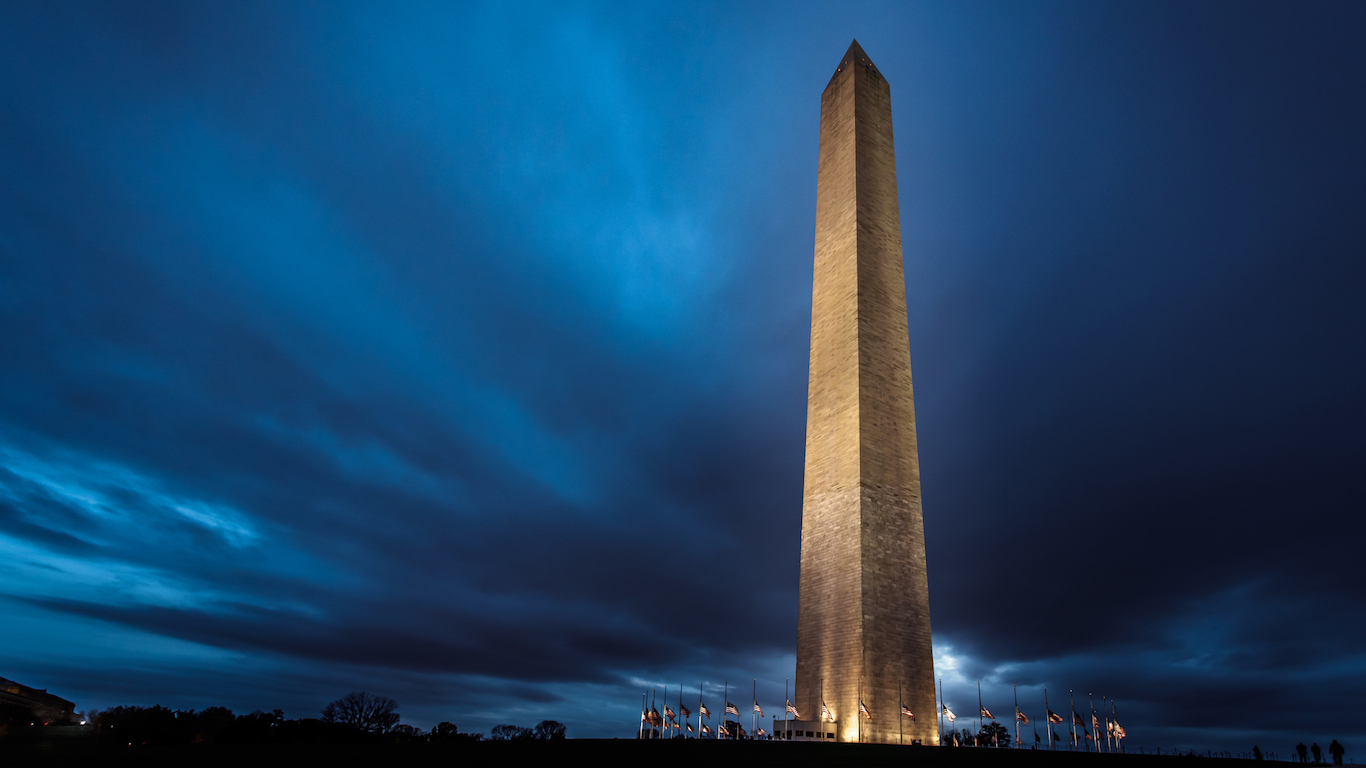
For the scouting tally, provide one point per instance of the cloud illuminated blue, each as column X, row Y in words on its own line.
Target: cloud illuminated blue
column 459, row 353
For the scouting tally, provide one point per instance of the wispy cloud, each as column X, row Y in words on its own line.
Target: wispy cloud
column 459, row 353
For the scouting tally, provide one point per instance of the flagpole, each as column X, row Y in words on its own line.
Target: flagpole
column 1106, row 716
column 858, row 713
column 753, row 704
column 900, row 705
column 1091, row 703
column 725, row 701
column 977, row 740
column 1114, row 740
column 699, row 709
column 1115, row 715
column 787, row 727
column 1114, row 718
column 1014, row 692
column 1048, row 716
column 1072, row 704
column 1105, row 710
column 681, row 731
column 1109, row 724
column 941, row 711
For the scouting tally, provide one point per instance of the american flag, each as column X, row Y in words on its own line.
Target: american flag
column 705, row 712
column 723, row 730
column 907, row 712
column 689, row 725
column 987, row 713
column 793, row 710
column 863, row 710
column 1076, row 719
column 706, row 730
column 756, row 709
column 1021, row 716
column 669, row 713
column 1054, row 717
column 731, row 709
column 761, row 733
column 825, row 712
column 682, row 710
column 949, row 714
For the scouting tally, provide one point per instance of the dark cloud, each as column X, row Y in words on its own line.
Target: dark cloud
column 460, row 355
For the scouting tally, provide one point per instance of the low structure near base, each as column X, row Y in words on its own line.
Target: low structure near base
column 805, row 730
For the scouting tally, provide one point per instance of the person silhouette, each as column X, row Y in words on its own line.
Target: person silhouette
column 1335, row 749
column 1256, row 752
column 1303, row 752
column 1318, row 753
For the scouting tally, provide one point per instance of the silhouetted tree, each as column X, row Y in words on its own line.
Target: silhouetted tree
column 1002, row 734
column 444, row 731
column 511, row 733
column 256, row 728
column 405, row 732
column 373, row 714
column 143, row 725
column 211, row 724
column 549, row 729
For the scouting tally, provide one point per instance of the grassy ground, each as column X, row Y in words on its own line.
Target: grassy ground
column 574, row 753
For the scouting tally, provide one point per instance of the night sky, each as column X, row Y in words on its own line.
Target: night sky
column 458, row 353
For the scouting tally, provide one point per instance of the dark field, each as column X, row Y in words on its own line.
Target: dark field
column 577, row 752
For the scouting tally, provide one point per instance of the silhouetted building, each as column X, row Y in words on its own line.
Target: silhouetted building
column 19, row 702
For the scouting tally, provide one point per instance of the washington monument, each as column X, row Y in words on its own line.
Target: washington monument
column 863, row 620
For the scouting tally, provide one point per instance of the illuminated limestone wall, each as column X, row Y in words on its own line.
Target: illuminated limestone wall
column 863, row 615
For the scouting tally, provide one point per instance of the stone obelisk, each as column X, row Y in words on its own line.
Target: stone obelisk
column 863, row 622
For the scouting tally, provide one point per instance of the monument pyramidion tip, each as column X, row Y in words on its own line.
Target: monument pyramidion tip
column 855, row 55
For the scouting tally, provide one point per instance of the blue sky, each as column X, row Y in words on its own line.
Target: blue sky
column 458, row 353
